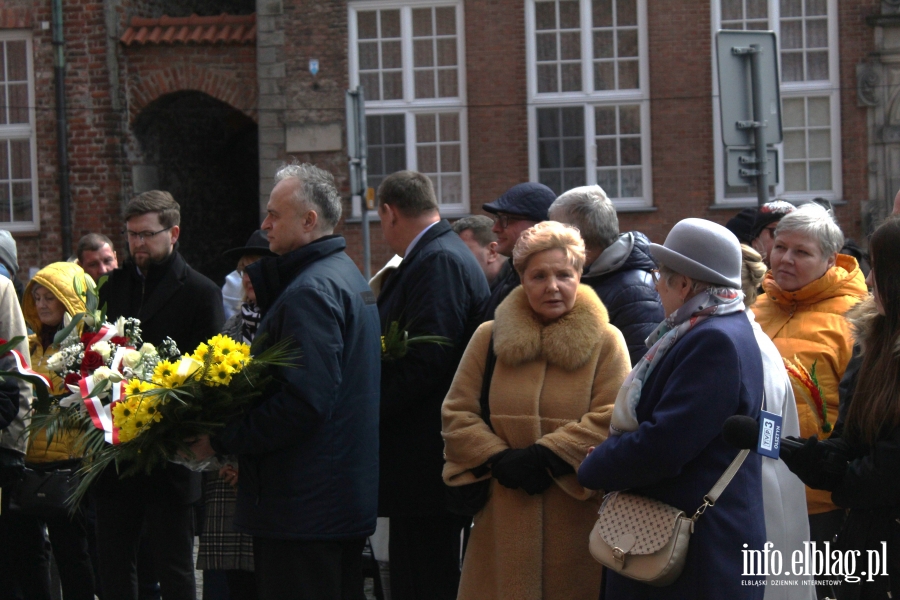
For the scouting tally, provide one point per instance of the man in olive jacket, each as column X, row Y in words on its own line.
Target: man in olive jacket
column 438, row 289
column 171, row 299
column 308, row 449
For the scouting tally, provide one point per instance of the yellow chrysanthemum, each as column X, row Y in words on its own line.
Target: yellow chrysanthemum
column 235, row 361
column 134, row 387
column 220, row 374
column 200, row 353
column 244, row 349
column 163, row 373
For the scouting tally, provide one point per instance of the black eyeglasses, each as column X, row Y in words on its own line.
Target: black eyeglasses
column 144, row 235
column 505, row 220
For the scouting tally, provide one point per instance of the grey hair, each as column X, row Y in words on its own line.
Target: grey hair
column 590, row 210
column 480, row 226
column 316, row 188
column 812, row 220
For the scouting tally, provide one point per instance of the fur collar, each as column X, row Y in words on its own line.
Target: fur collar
column 864, row 319
column 569, row 342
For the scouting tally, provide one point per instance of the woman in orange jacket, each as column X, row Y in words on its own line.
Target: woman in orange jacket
column 49, row 297
column 809, row 288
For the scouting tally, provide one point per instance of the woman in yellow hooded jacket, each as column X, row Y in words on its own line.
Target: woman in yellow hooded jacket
column 48, row 298
column 807, row 292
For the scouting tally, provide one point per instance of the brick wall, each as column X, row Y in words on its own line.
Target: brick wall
column 95, row 154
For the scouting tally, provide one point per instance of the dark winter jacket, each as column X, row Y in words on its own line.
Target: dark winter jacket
column 309, row 448
column 438, row 289
column 506, row 281
column 678, row 453
column 870, row 488
column 172, row 301
column 621, row 276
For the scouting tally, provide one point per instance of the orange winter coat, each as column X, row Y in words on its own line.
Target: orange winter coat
column 809, row 324
column 59, row 279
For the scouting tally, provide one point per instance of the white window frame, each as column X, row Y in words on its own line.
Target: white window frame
column 829, row 88
column 409, row 105
column 21, row 131
column 590, row 99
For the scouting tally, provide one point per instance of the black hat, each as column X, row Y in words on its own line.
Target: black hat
column 770, row 212
column 741, row 225
column 529, row 200
column 257, row 245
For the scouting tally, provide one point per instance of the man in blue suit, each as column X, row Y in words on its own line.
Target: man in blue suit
column 438, row 289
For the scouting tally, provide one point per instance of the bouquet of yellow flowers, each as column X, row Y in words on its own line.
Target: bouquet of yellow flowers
column 149, row 421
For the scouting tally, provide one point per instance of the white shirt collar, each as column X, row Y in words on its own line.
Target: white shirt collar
column 416, row 239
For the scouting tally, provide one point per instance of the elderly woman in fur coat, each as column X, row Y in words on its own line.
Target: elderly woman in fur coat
column 559, row 364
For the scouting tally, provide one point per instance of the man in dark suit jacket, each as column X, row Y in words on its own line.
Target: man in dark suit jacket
column 172, row 300
column 438, row 289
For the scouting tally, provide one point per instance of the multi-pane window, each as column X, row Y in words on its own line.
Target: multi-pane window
column 17, row 143
column 588, row 87
column 808, row 51
column 409, row 61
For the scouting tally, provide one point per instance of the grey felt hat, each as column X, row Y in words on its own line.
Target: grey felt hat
column 702, row 250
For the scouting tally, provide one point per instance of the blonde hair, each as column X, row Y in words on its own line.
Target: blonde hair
column 549, row 235
column 753, row 269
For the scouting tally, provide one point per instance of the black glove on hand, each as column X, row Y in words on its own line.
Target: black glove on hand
column 820, row 465
column 524, row 469
column 558, row 467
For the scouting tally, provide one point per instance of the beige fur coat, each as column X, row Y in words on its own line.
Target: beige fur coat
column 553, row 385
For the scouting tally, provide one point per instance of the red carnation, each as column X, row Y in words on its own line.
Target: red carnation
column 2, row 341
column 72, row 378
column 118, row 340
column 91, row 362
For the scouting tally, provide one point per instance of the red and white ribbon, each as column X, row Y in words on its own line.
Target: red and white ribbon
column 102, row 415
column 104, row 335
column 23, row 368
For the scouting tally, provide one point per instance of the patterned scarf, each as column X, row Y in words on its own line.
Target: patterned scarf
column 250, row 318
column 715, row 301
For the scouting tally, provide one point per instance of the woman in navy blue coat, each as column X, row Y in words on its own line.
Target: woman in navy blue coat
column 666, row 442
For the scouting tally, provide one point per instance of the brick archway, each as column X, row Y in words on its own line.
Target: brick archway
column 155, row 81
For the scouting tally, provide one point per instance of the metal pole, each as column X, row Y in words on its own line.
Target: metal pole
column 62, row 139
column 762, row 163
column 364, row 180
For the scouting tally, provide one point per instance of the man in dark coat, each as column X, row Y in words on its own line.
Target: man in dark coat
column 438, row 289
column 617, row 266
column 308, row 450
column 520, row 207
column 171, row 299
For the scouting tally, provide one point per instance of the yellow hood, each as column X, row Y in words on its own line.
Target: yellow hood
column 59, row 278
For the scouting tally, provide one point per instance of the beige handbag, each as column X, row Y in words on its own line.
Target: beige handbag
column 647, row 540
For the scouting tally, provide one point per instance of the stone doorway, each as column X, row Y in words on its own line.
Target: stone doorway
column 206, row 154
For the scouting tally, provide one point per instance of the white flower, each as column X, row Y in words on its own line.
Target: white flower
column 103, row 349
column 104, row 373
column 57, row 362
column 88, row 320
column 120, row 326
column 148, row 348
column 131, row 358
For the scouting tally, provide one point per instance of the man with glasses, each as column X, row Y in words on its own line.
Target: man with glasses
column 522, row 206
column 171, row 299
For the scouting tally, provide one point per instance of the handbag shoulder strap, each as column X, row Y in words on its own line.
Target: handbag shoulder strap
column 490, row 362
column 710, row 498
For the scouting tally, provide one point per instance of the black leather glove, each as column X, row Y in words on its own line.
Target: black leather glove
column 524, row 469
column 819, row 464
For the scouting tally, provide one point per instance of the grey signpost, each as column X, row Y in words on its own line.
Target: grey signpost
column 357, row 148
column 750, row 104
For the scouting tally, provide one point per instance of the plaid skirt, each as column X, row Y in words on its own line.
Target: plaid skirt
column 222, row 548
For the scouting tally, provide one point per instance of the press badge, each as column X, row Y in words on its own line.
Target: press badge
column 769, row 434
